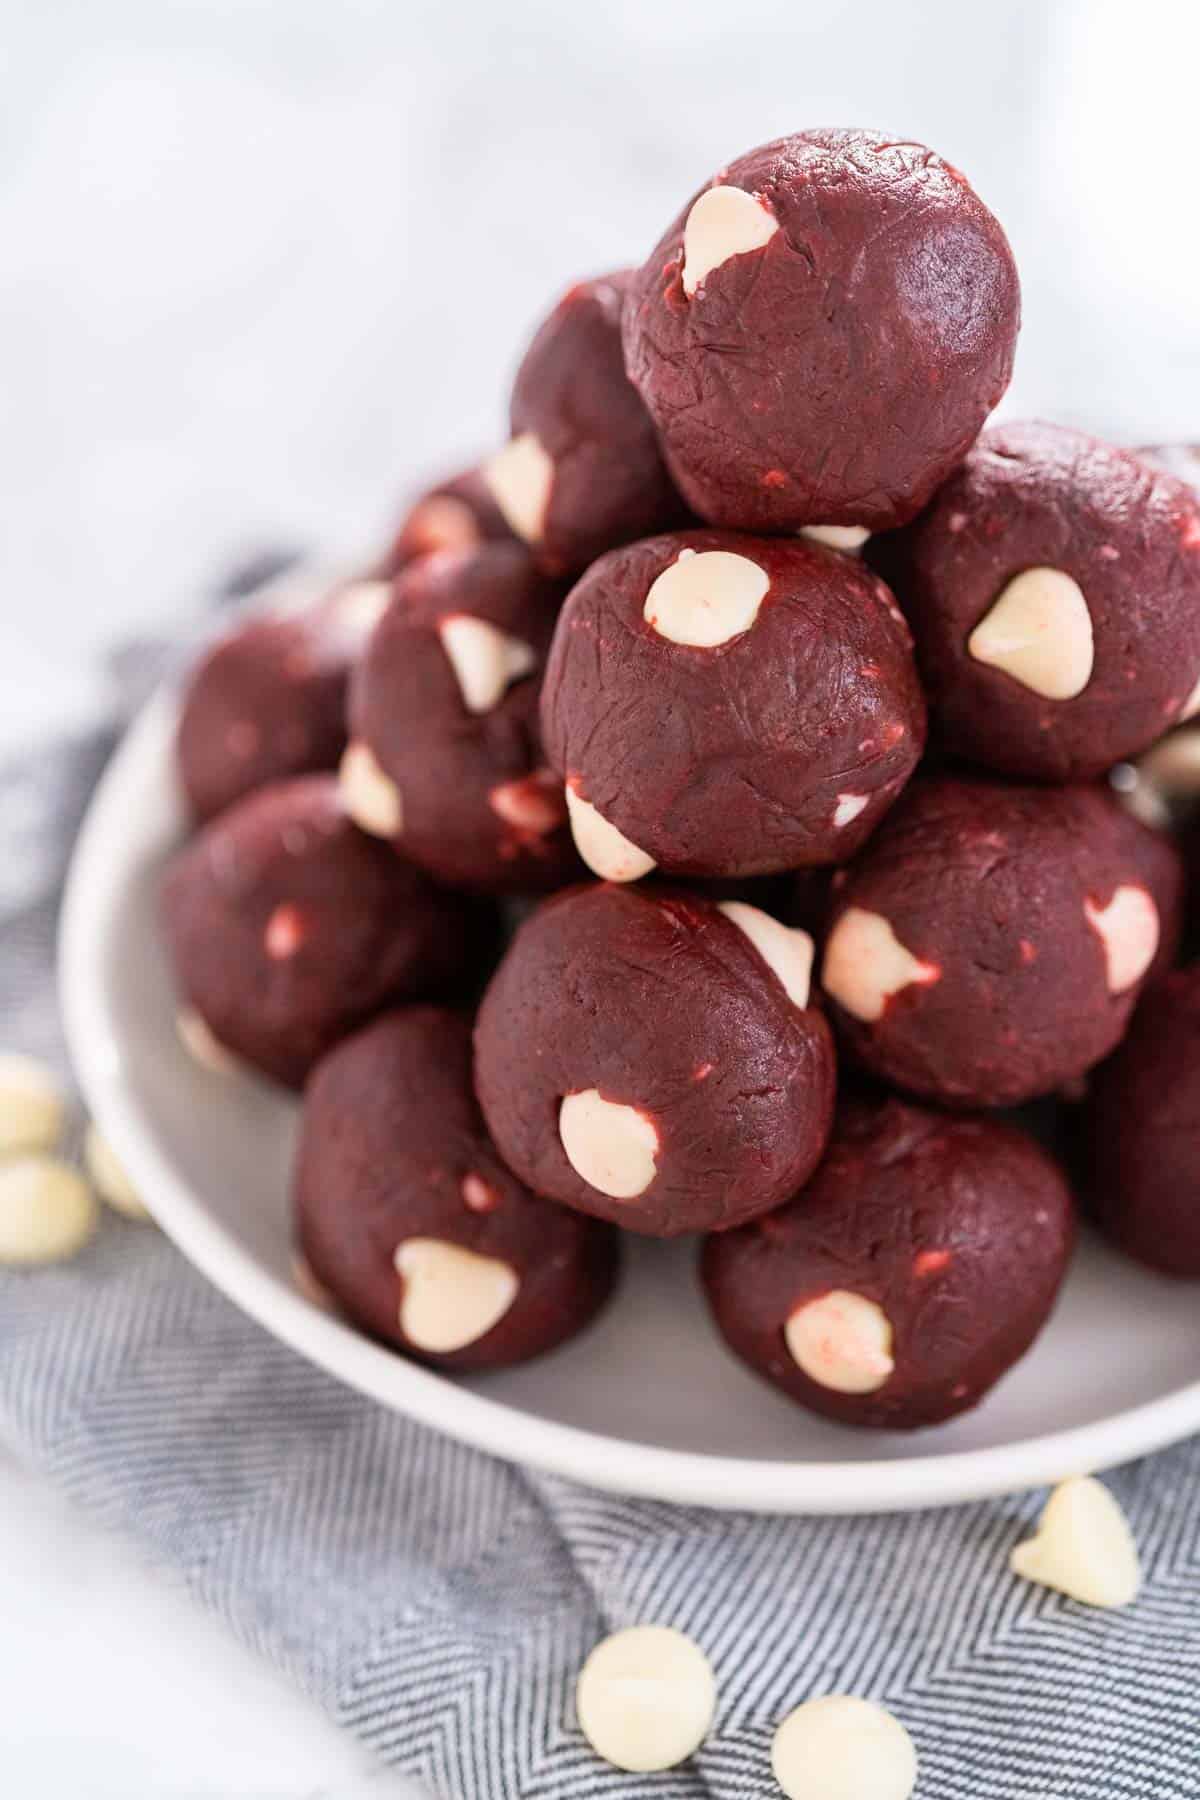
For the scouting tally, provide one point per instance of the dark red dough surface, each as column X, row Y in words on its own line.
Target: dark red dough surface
column 987, row 881
column 407, row 706
column 657, row 1000
column 960, row 1229
column 371, row 928
column 837, row 374
column 471, row 520
column 730, row 760
column 1141, row 1132
column 267, row 701
column 610, row 484
column 1035, row 495
column 389, row 1133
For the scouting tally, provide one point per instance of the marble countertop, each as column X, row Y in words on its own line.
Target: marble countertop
column 263, row 268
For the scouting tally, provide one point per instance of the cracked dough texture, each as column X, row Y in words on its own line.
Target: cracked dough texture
column 407, row 707
column 959, row 1228
column 837, row 374
column 730, row 761
column 610, row 483
column 1036, row 495
column 372, row 929
column 658, row 1000
column 389, row 1132
column 987, row 881
column 1141, row 1132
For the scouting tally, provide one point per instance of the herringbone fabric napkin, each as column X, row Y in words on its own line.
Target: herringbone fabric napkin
column 439, row 1603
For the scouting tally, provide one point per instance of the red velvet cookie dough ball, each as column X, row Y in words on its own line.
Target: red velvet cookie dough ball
column 406, row 1215
column 651, row 1057
column 287, row 928
column 916, row 1267
column 1053, row 588
column 822, row 332
column 459, row 514
column 268, row 700
column 445, row 755
column 1142, row 1132
column 728, row 705
column 989, row 944
column 582, row 471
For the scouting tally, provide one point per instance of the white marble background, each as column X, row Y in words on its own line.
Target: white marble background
column 265, row 262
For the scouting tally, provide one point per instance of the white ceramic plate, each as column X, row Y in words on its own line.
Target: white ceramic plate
column 647, row 1401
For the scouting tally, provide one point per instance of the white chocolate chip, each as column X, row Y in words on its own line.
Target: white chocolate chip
column 370, row 797
column 842, row 1748
column 47, row 1211
column 843, row 1341
column 200, row 1044
column 847, row 809
column 1191, row 705
column 614, row 1148
column 849, row 539
column 724, row 222
column 607, row 852
column 361, row 606
column 519, row 478
column 31, row 1104
column 787, row 951
column 452, row 1297
column 1039, row 631
column 486, row 661
column 646, row 1698
column 706, row 597
column 865, row 964
column 441, row 522
column 109, row 1178
column 1128, row 929
column 1083, row 1547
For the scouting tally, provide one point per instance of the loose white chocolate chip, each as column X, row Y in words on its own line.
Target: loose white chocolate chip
column 724, row 222
column 614, row 1148
column 1128, row 929
column 442, row 522
column 1039, row 631
column 200, row 1044
column 486, row 661
column 369, row 796
column 787, row 952
column 31, row 1105
column 1083, row 1547
column 109, row 1178
column 843, row 1341
column 646, row 1698
column 607, row 852
column 849, row 539
column 865, row 964
column 706, row 597
column 361, row 606
column 519, row 478
column 847, row 809
column 452, row 1297
column 47, row 1211
column 842, row 1748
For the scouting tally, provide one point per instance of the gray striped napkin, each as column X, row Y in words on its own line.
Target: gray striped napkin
column 439, row 1603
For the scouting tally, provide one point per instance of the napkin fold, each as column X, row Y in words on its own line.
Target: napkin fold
column 439, row 1603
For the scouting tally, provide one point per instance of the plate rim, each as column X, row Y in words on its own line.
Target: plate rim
column 612, row 1464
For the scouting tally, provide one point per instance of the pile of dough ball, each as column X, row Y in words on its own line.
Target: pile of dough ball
column 697, row 821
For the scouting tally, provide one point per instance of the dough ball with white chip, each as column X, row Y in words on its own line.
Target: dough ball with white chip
column 916, row 1267
column 408, row 1218
column 445, row 757
column 722, row 705
column 653, row 1058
